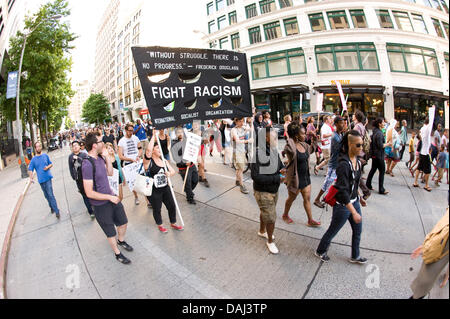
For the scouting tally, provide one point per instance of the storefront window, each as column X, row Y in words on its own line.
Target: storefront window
column 347, row 57
column 278, row 67
column 415, row 110
column 411, row 59
column 279, row 64
column 262, row 102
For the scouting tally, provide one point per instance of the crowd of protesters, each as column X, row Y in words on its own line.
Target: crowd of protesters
column 342, row 147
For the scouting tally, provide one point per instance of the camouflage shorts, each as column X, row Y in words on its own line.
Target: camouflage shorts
column 267, row 203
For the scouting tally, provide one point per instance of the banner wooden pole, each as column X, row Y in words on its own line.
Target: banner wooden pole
column 170, row 182
column 185, row 178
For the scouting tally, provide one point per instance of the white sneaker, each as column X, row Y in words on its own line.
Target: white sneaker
column 265, row 236
column 272, row 248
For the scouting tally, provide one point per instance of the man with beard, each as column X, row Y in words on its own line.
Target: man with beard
column 108, row 209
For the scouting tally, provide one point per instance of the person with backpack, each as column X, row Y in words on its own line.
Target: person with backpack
column 75, row 160
column 347, row 207
column 377, row 153
column 434, row 251
column 108, row 209
column 267, row 174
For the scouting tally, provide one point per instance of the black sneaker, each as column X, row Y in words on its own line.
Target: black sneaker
column 192, row 201
column 58, row 216
column 324, row 257
column 124, row 245
column 359, row 260
column 52, row 211
column 124, row 260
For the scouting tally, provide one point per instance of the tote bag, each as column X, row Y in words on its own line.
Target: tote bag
column 143, row 184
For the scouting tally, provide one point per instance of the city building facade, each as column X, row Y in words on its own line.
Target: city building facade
column 75, row 109
column 391, row 56
column 115, row 74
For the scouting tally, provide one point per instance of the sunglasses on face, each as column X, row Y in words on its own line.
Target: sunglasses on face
column 359, row 145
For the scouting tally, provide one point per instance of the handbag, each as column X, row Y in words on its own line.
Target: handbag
column 143, row 184
column 330, row 198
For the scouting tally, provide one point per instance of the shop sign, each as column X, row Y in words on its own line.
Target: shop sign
column 342, row 82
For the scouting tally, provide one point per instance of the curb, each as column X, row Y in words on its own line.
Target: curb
column 7, row 243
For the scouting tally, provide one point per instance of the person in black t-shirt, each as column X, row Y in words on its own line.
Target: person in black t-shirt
column 109, row 138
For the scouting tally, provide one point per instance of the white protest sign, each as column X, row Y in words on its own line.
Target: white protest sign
column 130, row 172
column 319, row 102
column 431, row 114
column 114, row 182
column 341, row 93
column 446, row 115
column 193, row 142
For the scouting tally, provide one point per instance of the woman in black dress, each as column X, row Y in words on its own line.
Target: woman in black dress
column 164, row 139
column 154, row 168
column 298, row 178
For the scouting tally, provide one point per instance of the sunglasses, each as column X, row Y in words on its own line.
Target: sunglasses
column 359, row 145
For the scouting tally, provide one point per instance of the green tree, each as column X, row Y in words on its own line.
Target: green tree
column 96, row 110
column 47, row 61
column 69, row 123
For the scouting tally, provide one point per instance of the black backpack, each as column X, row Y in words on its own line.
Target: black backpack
column 79, row 175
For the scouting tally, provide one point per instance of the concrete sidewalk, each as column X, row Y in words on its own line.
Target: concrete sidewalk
column 219, row 255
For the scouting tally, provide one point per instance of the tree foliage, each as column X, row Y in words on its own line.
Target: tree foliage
column 69, row 123
column 47, row 61
column 96, row 110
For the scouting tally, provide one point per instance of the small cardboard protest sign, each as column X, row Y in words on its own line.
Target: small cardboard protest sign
column 193, row 142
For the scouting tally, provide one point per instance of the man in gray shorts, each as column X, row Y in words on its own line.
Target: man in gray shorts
column 108, row 209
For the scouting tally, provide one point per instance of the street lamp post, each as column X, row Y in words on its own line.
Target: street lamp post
column 23, row 166
column 214, row 43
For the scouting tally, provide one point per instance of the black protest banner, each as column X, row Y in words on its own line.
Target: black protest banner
column 181, row 85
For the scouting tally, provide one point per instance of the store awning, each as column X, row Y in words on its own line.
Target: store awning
column 281, row 89
column 418, row 93
column 349, row 89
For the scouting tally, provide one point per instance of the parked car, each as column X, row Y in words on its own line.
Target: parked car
column 314, row 114
column 279, row 128
column 53, row 144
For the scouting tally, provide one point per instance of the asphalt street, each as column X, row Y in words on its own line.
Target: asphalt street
column 219, row 254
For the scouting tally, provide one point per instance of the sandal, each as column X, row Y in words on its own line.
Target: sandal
column 428, row 189
column 415, row 185
column 313, row 223
column 288, row 220
column 320, row 205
